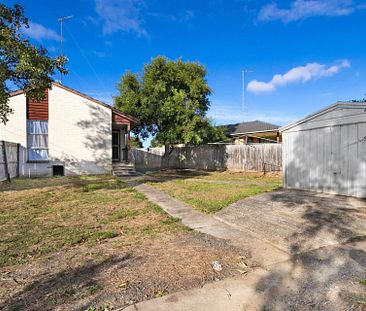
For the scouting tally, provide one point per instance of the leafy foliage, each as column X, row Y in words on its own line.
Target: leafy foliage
column 171, row 100
column 22, row 64
column 358, row 100
column 136, row 142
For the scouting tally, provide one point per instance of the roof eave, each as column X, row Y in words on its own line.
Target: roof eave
column 321, row 112
column 253, row 132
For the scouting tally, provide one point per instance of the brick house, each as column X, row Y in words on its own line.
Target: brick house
column 67, row 133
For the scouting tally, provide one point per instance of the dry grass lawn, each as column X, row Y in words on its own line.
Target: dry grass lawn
column 209, row 192
column 70, row 243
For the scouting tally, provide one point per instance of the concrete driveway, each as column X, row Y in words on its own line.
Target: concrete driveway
column 325, row 236
column 299, row 221
column 313, row 256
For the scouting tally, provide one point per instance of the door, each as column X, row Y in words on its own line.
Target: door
column 116, row 146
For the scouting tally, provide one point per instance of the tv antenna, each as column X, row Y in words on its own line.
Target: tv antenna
column 243, row 73
column 61, row 20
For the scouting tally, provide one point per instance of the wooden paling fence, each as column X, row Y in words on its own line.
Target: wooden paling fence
column 254, row 157
column 9, row 160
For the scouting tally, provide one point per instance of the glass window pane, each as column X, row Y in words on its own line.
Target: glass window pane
column 37, row 154
column 37, row 127
column 38, row 141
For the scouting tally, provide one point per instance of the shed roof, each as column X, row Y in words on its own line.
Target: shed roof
column 337, row 105
column 250, row 127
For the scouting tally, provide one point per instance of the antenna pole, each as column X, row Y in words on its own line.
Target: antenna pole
column 243, row 72
column 243, row 87
column 61, row 20
column 61, row 23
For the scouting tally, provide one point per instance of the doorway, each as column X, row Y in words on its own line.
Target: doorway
column 116, row 157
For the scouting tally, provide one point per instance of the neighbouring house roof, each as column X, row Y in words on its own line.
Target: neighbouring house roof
column 344, row 105
column 118, row 112
column 250, row 127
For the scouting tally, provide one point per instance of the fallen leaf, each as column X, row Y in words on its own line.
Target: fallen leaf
column 242, row 271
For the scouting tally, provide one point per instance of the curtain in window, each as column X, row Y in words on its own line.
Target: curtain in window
column 37, row 140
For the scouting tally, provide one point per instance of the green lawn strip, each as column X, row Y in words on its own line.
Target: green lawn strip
column 53, row 213
column 212, row 197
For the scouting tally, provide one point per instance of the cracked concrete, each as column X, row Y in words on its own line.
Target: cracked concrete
column 310, row 249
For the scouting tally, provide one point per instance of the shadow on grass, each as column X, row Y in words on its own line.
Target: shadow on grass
column 52, row 290
column 87, row 182
column 165, row 175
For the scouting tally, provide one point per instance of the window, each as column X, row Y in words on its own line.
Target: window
column 37, row 140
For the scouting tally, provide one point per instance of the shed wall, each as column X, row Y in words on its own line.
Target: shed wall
column 330, row 158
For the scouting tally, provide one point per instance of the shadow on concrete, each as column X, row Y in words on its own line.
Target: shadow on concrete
column 325, row 277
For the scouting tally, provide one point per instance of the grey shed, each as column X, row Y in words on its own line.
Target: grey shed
column 326, row 151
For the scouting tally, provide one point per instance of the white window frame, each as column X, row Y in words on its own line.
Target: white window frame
column 37, row 148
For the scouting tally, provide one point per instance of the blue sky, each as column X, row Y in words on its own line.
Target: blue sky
column 304, row 54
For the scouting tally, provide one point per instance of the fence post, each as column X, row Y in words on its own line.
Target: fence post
column 6, row 168
column 18, row 160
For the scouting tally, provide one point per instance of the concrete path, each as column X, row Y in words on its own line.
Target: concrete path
column 265, row 253
column 310, row 250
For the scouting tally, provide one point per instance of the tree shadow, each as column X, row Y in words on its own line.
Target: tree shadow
column 66, row 182
column 203, row 157
column 328, row 247
column 52, row 290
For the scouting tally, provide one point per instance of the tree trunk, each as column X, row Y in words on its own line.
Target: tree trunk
column 168, row 148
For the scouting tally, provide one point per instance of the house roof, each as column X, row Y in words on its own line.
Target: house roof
column 345, row 105
column 250, row 127
column 131, row 118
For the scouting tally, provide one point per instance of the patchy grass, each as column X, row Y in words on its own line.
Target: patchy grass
column 209, row 192
column 362, row 281
column 48, row 214
column 93, row 243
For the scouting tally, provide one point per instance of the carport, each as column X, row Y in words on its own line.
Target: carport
column 326, row 151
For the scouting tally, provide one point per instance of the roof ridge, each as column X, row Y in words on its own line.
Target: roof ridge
column 97, row 101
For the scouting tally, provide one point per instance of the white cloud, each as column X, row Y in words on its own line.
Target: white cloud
column 301, row 9
column 120, row 15
column 39, row 32
column 99, row 54
column 303, row 74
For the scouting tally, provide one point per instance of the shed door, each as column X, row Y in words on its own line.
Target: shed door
column 346, row 172
column 329, row 159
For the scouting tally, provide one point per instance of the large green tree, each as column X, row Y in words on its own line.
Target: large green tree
column 22, row 64
column 171, row 100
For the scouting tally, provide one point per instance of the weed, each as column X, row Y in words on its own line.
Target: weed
column 93, row 289
column 103, row 235
column 120, row 214
column 170, row 220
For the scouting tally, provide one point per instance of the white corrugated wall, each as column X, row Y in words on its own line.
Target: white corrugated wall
column 326, row 159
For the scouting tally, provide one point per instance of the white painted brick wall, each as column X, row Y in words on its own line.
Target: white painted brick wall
column 80, row 134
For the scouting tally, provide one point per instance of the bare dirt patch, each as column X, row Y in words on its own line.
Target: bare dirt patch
column 74, row 243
